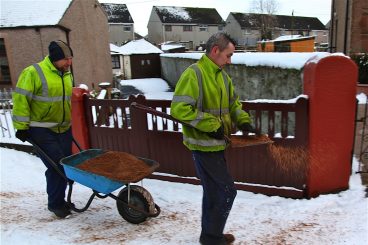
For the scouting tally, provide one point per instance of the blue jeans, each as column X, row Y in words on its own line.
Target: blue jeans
column 218, row 194
column 56, row 146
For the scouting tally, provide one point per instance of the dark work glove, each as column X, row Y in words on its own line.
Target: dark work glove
column 218, row 134
column 23, row 135
column 247, row 128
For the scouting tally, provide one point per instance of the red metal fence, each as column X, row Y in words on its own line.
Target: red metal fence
column 114, row 125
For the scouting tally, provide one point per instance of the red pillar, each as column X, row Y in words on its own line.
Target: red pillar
column 79, row 122
column 330, row 83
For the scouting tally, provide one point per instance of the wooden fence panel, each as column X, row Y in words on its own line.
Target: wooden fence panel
column 160, row 139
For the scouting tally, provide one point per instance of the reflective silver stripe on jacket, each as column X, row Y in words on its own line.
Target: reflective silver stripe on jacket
column 184, row 98
column 48, row 124
column 200, row 97
column 202, row 142
column 226, row 84
column 199, row 78
column 24, row 92
column 217, row 111
column 232, row 99
column 44, row 97
column 45, row 88
column 238, row 112
column 200, row 116
column 20, row 118
column 40, row 98
column 50, row 99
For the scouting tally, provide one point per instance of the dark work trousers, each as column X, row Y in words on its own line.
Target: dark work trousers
column 218, row 194
column 56, row 146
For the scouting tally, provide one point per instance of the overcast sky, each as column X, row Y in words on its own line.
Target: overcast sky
column 141, row 9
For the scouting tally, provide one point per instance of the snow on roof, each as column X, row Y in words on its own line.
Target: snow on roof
column 114, row 49
column 32, row 13
column 287, row 37
column 140, row 46
column 287, row 60
column 166, row 47
column 179, row 12
column 117, row 13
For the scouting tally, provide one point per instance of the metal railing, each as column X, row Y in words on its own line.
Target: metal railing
column 361, row 136
column 6, row 124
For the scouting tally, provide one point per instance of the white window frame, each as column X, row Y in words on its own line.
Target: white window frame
column 190, row 28
column 127, row 28
column 247, row 31
column 203, row 27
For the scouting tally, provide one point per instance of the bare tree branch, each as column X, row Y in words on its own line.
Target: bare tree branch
column 266, row 19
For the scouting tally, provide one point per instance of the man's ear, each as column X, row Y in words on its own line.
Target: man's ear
column 215, row 50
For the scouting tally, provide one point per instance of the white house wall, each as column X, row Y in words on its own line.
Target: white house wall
column 118, row 36
column 192, row 39
column 127, row 67
column 321, row 36
column 247, row 37
column 155, row 28
column 233, row 27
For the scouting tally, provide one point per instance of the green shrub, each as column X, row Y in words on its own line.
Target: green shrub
column 361, row 60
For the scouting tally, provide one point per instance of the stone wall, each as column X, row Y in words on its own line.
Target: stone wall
column 251, row 82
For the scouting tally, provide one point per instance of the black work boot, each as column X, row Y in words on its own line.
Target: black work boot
column 69, row 206
column 61, row 212
column 229, row 238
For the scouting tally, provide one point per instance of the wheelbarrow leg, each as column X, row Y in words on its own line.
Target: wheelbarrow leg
column 69, row 199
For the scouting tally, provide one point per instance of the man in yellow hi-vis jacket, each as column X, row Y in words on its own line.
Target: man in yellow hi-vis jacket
column 42, row 114
column 205, row 101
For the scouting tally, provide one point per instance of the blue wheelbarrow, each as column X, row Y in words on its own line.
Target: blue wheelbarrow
column 134, row 203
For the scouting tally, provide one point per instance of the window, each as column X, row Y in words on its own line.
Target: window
column 247, row 31
column 148, row 62
column 127, row 28
column 168, row 28
column 203, row 28
column 115, row 61
column 4, row 68
column 220, row 28
column 142, row 62
column 187, row 28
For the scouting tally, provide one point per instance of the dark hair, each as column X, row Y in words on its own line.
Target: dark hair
column 220, row 39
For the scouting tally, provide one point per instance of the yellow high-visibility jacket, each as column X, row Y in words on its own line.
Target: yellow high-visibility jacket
column 42, row 98
column 204, row 97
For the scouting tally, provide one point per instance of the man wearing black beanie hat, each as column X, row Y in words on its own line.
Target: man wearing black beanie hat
column 61, row 54
column 42, row 116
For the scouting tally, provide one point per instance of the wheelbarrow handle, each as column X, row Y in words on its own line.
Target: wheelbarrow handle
column 167, row 116
column 154, row 112
column 52, row 162
column 77, row 144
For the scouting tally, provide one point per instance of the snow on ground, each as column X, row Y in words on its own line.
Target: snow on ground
column 255, row 219
column 152, row 88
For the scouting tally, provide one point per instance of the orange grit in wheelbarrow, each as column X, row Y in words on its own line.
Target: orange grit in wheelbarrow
column 119, row 166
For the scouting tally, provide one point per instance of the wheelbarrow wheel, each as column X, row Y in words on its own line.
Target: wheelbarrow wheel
column 139, row 198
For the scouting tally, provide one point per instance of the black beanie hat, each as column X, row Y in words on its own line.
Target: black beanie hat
column 59, row 50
